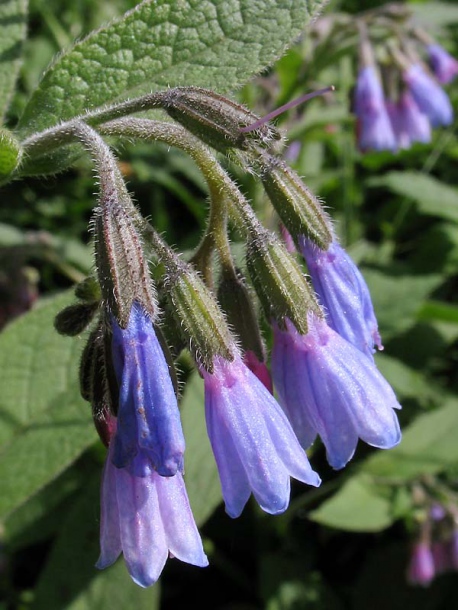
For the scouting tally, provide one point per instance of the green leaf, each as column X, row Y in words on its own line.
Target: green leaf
column 405, row 380
column 201, row 474
column 437, row 311
column 357, row 506
column 435, row 14
column 428, row 446
column 398, row 297
column 44, row 423
column 13, row 20
column 432, row 196
column 70, row 580
column 217, row 44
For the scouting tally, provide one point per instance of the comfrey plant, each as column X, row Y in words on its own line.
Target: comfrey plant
column 401, row 74
column 145, row 304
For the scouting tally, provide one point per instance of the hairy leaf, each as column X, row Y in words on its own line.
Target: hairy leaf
column 13, row 16
column 217, row 44
column 44, row 423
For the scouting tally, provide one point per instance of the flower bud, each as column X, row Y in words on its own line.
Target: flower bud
column 215, row 119
column 279, row 282
column 121, row 265
column 298, row 208
column 72, row 320
column 88, row 290
column 198, row 314
column 98, row 383
column 10, row 154
column 235, row 300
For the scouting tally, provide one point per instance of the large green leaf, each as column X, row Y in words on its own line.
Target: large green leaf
column 44, row 423
column 358, row 506
column 13, row 18
column 218, row 44
column 432, row 196
column 428, row 446
column 398, row 297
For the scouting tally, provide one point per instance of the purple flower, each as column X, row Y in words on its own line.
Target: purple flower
column 375, row 131
column 343, row 294
column 444, row 66
column 328, row 387
column 254, row 445
column 415, row 124
column 147, row 519
column 421, row 566
column 148, row 416
column 429, row 96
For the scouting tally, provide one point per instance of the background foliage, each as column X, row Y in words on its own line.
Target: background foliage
column 343, row 546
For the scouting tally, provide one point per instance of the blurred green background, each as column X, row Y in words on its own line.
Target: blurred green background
column 346, row 545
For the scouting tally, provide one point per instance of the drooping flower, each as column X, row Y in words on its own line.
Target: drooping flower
column 343, row 294
column 148, row 416
column 146, row 518
column 430, row 98
column 375, row 131
column 444, row 65
column 421, row 569
column 259, row 369
column 415, row 124
column 328, row 387
column 254, row 445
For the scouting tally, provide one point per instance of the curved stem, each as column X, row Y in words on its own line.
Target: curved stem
column 222, row 188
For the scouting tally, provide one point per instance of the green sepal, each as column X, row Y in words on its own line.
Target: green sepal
column 201, row 320
column 297, row 207
column 237, row 303
column 216, row 120
column 279, row 282
column 122, row 268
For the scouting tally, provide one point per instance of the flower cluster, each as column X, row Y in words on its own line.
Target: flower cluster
column 262, row 413
column 398, row 102
column 435, row 551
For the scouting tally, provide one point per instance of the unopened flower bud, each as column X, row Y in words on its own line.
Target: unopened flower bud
column 88, row 290
column 279, row 282
column 121, row 265
column 215, row 119
column 235, row 300
column 298, row 208
column 98, row 383
column 72, row 320
column 198, row 314
column 10, row 154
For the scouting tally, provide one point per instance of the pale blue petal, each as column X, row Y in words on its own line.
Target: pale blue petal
column 235, row 486
column 183, row 539
column 142, row 532
column 110, row 535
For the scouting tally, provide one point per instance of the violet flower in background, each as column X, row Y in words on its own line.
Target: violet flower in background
column 431, row 99
column 343, row 294
column 444, row 66
column 148, row 415
column 146, row 518
column 375, row 131
column 421, row 569
column 255, row 448
column 414, row 123
column 330, row 388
